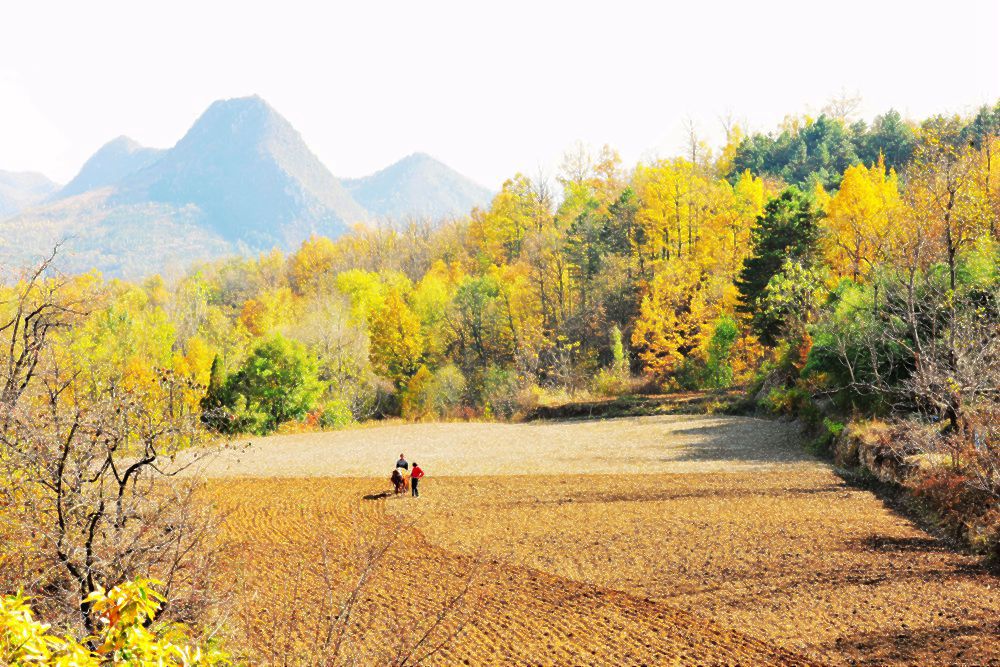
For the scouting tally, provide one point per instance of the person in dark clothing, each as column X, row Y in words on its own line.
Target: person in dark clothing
column 401, row 463
column 415, row 476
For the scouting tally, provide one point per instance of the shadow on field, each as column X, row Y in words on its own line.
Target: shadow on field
column 903, row 544
column 743, row 442
column 926, row 646
column 582, row 496
column 378, row 496
column 897, row 500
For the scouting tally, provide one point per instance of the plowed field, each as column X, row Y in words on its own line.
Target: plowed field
column 668, row 540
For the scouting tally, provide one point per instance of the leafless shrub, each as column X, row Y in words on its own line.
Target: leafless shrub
column 984, row 449
column 354, row 605
column 89, row 457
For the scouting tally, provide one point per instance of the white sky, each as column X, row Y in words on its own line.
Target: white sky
column 491, row 88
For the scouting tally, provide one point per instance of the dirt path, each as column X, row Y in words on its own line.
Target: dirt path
column 730, row 547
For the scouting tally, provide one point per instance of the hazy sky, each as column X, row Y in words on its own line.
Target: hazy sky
column 491, row 88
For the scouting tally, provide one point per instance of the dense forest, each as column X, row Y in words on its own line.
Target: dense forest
column 833, row 269
column 831, row 249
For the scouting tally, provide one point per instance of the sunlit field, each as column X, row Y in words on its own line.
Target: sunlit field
column 692, row 540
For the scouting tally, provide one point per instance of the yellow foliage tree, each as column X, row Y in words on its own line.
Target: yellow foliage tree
column 397, row 344
column 500, row 230
column 673, row 319
column 265, row 313
column 675, row 198
column 734, row 210
column 858, row 218
column 313, row 261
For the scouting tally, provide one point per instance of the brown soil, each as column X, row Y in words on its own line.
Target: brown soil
column 289, row 542
column 730, row 547
column 798, row 559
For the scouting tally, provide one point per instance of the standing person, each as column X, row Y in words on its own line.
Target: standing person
column 415, row 476
column 401, row 463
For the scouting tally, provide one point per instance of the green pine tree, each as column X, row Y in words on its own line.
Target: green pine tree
column 787, row 230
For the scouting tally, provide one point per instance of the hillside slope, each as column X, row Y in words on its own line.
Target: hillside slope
column 21, row 189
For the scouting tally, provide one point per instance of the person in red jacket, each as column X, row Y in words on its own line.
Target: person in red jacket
column 416, row 474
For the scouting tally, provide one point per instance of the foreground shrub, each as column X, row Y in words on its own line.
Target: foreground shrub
column 434, row 395
column 781, row 401
column 610, row 382
column 829, row 431
column 125, row 633
column 966, row 512
column 500, row 392
column 447, row 390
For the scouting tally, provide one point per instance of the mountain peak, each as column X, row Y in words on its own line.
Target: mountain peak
column 418, row 185
column 249, row 106
column 252, row 176
column 247, row 117
column 123, row 143
column 115, row 160
column 419, row 157
column 418, row 160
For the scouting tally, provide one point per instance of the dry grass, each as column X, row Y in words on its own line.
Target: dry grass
column 730, row 547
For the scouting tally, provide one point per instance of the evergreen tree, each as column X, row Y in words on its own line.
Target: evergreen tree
column 787, row 230
column 213, row 413
column 890, row 137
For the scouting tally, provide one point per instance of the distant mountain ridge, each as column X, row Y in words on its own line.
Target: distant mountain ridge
column 241, row 180
column 22, row 189
column 418, row 186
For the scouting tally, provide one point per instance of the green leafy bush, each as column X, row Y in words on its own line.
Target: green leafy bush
column 829, row 431
column 500, row 392
column 718, row 367
column 335, row 414
column 437, row 394
column 781, row 401
column 277, row 383
column 447, row 389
